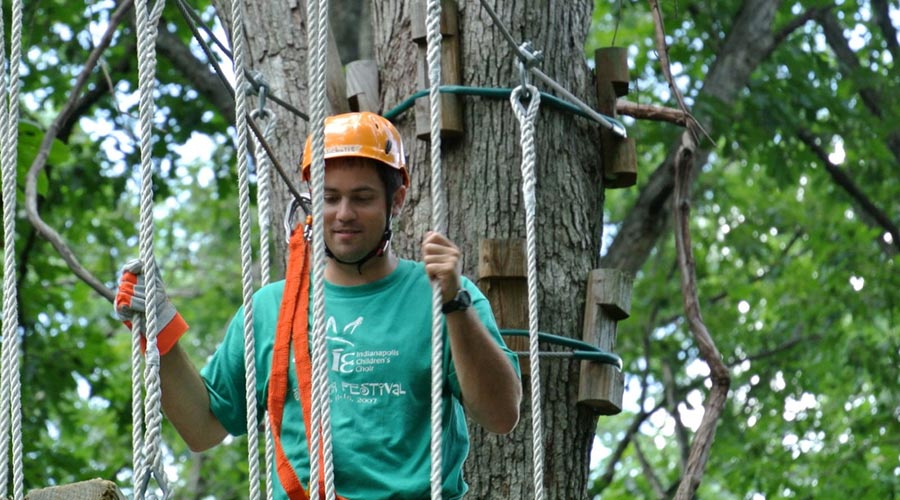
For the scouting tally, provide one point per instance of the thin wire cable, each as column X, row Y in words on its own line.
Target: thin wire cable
column 240, row 97
column 321, row 445
column 149, row 461
column 529, row 60
column 439, row 224
column 11, row 406
column 526, row 117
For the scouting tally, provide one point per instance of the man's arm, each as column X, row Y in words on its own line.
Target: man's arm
column 185, row 401
column 491, row 390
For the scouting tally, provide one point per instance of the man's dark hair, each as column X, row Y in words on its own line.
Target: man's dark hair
column 392, row 179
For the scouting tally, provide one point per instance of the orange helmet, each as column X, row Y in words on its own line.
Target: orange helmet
column 362, row 135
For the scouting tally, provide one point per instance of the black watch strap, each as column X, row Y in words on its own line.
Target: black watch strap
column 461, row 302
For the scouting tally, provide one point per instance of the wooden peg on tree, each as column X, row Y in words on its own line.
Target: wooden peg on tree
column 362, row 86
column 503, row 278
column 619, row 154
column 451, row 105
column 601, row 386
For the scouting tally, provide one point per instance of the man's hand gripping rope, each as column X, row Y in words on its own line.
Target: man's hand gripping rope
column 130, row 304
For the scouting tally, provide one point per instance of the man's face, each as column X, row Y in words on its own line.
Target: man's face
column 355, row 208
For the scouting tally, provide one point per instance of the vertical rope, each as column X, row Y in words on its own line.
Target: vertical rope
column 320, row 446
column 263, row 193
column 526, row 117
column 149, row 460
column 439, row 224
column 240, row 96
column 11, row 419
column 264, row 187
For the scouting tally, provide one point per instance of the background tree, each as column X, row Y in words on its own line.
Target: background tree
column 794, row 225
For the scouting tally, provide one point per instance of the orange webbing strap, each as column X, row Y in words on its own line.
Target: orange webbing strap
column 293, row 327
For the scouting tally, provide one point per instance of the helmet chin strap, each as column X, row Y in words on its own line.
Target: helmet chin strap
column 378, row 251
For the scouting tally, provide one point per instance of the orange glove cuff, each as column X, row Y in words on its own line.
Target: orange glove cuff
column 168, row 336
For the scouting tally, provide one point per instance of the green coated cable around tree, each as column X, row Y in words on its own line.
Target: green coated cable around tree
column 493, row 93
column 581, row 350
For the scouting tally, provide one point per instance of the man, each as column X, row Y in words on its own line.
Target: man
column 378, row 331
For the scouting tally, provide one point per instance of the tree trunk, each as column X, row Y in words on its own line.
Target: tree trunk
column 484, row 193
column 483, row 183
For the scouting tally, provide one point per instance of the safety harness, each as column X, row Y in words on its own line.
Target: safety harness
column 293, row 328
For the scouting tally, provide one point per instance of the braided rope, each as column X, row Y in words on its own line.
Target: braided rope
column 526, row 117
column 321, row 445
column 439, row 223
column 10, row 406
column 240, row 97
column 149, row 460
column 264, row 188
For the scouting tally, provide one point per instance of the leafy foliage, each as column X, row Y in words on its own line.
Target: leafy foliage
column 798, row 284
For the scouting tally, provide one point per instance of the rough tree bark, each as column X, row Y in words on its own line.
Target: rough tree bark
column 484, row 199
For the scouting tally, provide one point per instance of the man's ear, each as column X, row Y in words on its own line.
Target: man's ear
column 398, row 201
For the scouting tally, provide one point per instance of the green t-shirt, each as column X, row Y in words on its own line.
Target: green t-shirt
column 379, row 366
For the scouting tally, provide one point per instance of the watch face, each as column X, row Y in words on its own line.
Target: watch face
column 461, row 302
column 464, row 298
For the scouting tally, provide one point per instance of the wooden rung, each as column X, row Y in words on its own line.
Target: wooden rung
column 451, row 71
column 610, row 289
column 502, row 277
column 362, row 85
column 419, row 15
column 502, row 259
column 608, row 301
column 611, row 65
column 94, row 489
column 619, row 161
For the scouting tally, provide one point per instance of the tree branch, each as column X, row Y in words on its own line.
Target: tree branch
column 871, row 96
column 649, row 473
column 748, row 42
column 882, row 16
column 610, row 471
column 205, row 82
column 40, row 160
column 663, row 50
column 842, row 179
column 721, row 379
column 650, row 112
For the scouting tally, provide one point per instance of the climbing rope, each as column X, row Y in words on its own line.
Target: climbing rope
column 10, row 384
column 526, row 117
column 263, row 190
column 320, row 448
column 146, row 441
column 240, row 98
column 439, row 224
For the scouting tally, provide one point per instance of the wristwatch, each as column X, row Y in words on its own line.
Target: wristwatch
column 461, row 302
